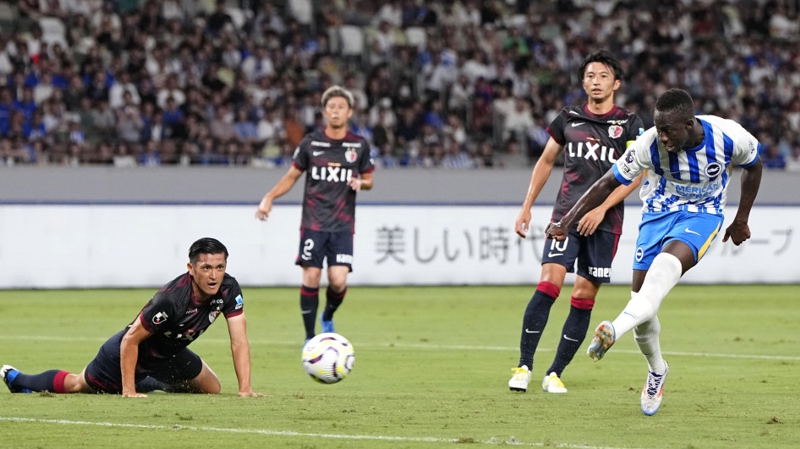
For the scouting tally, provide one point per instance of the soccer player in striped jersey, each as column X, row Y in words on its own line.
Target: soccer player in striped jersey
column 687, row 161
column 592, row 136
column 337, row 165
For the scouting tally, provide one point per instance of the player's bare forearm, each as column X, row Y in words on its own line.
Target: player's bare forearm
column 541, row 172
column 128, row 353
column 285, row 184
column 621, row 192
column 240, row 350
column 739, row 230
column 539, row 175
column 751, row 181
column 593, row 197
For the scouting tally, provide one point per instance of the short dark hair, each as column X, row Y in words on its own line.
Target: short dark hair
column 206, row 245
column 604, row 57
column 337, row 91
column 676, row 101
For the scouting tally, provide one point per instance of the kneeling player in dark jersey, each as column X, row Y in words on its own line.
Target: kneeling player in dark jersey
column 337, row 165
column 151, row 353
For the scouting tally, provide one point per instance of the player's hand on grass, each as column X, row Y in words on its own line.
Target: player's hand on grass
column 264, row 208
column 738, row 232
column 588, row 224
column 245, row 394
column 134, row 395
column 522, row 226
column 555, row 231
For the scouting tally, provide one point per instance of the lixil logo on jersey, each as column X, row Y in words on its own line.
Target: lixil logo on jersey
column 331, row 174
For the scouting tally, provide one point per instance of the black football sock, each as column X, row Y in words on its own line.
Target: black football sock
column 309, row 303
column 572, row 337
column 332, row 302
column 535, row 320
column 52, row 381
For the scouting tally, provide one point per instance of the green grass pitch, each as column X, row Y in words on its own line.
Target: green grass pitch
column 432, row 366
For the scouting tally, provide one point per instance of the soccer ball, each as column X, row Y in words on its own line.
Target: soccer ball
column 328, row 358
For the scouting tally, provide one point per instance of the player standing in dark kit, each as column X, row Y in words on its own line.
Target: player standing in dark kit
column 337, row 165
column 151, row 353
column 593, row 136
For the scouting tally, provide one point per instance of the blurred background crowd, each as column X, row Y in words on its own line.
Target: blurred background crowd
column 438, row 83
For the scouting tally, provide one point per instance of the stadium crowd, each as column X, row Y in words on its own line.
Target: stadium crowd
column 440, row 83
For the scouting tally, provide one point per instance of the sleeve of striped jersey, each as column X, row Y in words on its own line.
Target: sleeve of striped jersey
column 746, row 149
column 634, row 161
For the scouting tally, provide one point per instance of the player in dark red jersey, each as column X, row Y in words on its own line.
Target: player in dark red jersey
column 337, row 165
column 151, row 353
column 592, row 137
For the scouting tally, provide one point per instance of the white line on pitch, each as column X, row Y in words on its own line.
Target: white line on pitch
column 288, row 433
column 423, row 346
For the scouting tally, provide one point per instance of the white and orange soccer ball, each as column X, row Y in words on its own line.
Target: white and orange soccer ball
column 328, row 358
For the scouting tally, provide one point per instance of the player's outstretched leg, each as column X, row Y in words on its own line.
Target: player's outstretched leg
column 604, row 337
column 652, row 391
column 520, row 380
column 9, row 373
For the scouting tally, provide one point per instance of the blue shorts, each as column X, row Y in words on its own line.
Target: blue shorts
column 697, row 230
column 594, row 254
column 104, row 375
column 318, row 246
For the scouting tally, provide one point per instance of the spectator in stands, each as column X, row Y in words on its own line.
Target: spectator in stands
column 456, row 157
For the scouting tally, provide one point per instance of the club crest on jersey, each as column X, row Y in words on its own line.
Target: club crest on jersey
column 614, row 131
column 160, row 317
column 350, row 155
column 713, row 169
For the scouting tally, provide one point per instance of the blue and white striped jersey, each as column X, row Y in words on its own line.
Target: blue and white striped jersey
column 693, row 180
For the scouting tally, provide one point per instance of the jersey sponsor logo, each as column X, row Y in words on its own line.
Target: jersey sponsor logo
column 600, row 272
column 160, row 317
column 713, row 169
column 614, row 131
column 617, row 122
column 696, row 192
column 350, row 155
column 191, row 311
column 239, row 302
column 690, row 231
column 344, row 258
column 588, row 150
column 317, row 153
column 331, row 174
column 351, row 144
column 576, row 124
column 315, row 143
